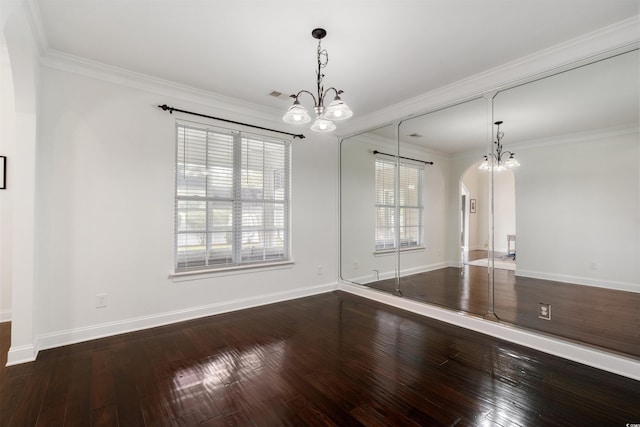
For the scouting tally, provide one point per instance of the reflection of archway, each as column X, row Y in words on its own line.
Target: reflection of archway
column 24, row 59
column 476, row 183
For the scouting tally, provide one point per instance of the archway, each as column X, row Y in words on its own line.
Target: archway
column 7, row 140
column 478, row 207
column 24, row 61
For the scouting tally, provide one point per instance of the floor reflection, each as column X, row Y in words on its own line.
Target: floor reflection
column 595, row 316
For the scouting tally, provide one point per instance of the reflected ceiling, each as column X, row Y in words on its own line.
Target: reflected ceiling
column 557, row 105
column 381, row 52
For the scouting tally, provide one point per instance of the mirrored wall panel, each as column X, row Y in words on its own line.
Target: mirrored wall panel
column 522, row 206
column 576, row 198
column 367, row 208
column 450, row 216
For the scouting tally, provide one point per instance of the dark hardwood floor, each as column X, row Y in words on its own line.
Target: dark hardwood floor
column 595, row 316
column 331, row 359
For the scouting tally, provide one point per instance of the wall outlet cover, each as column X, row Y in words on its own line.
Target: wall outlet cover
column 544, row 311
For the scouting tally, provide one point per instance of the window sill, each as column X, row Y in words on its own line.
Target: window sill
column 184, row 276
column 393, row 251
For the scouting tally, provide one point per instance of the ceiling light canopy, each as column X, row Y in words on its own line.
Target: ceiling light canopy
column 498, row 161
column 335, row 111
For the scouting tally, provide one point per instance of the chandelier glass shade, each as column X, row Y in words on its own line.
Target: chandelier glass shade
column 296, row 114
column 499, row 161
column 325, row 117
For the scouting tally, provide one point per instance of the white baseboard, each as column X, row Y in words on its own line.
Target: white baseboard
column 5, row 316
column 614, row 363
column 21, row 354
column 363, row 280
column 620, row 286
column 72, row 336
column 422, row 269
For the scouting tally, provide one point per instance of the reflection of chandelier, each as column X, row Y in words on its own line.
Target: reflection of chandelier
column 337, row 110
column 499, row 163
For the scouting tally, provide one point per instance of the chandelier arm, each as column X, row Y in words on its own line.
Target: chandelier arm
column 338, row 92
column 315, row 103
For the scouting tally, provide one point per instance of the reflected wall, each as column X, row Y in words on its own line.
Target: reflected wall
column 562, row 229
column 576, row 136
column 359, row 261
column 455, row 138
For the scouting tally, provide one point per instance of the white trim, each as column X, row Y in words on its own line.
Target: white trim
column 422, row 269
column 21, row 354
column 403, row 273
column 582, row 281
column 612, row 37
column 229, row 271
column 32, row 11
column 600, row 359
column 393, row 250
column 62, row 61
column 574, row 138
column 5, row 316
column 72, row 336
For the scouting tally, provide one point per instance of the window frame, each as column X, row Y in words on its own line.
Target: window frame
column 398, row 210
column 237, row 254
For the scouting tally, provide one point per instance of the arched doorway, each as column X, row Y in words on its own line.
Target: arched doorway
column 23, row 57
column 475, row 190
column 7, row 139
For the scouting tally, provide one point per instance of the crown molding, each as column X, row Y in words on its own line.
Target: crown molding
column 588, row 47
column 62, row 61
column 573, row 138
column 32, row 11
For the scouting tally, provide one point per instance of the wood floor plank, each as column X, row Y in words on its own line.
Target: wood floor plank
column 329, row 360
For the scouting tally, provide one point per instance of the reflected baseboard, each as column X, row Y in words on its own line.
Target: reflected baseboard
column 363, row 280
column 576, row 280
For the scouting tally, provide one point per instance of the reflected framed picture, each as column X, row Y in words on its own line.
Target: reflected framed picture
column 3, row 172
column 472, row 205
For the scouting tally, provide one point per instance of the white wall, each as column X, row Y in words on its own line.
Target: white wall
column 358, row 200
column 577, row 220
column 504, row 199
column 106, row 185
column 476, row 182
column 7, row 138
column 359, row 262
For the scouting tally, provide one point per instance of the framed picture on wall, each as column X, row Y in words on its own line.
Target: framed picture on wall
column 3, row 172
column 472, row 205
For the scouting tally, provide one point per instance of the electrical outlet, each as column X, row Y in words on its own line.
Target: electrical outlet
column 544, row 311
column 356, row 265
column 319, row 270
column 101, row 300
column 593, row 265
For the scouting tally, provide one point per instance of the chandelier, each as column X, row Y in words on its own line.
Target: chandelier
column 499, row 163
column 336, row 110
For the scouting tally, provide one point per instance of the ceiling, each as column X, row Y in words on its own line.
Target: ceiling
column 596, row 97
column 380, row 52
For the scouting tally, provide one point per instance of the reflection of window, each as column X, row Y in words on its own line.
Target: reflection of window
column 232, row 198
column 410, row 224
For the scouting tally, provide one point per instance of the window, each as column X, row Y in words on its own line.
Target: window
column 232, row 198
column 410, row 221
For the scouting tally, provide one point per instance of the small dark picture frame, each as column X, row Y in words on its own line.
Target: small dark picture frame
column 472, row 205
column 3, row 172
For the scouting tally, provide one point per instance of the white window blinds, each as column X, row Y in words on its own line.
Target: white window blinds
column 407, row 228
column 232, row 198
